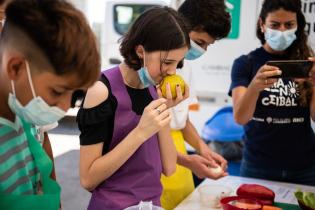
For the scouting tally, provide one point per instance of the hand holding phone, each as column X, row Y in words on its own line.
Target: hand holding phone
column 292, row 68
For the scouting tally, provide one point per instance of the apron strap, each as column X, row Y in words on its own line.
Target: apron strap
column 50, row 199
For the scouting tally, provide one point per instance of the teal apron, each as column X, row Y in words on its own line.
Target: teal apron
column 50, row 198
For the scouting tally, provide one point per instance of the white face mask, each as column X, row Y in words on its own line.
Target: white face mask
column 37, row 111
column 280, row 40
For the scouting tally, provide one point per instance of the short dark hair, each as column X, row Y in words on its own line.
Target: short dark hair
column 299, row 48
column 210, row 16
column 61, row 33
column 157, row 29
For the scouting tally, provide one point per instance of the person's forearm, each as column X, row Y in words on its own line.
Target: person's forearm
column 244, row 105
column 106, row 165
column 168, row 151
column 191, row 135
column 183, row 159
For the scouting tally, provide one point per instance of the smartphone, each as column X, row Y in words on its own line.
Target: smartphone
column 292, row 68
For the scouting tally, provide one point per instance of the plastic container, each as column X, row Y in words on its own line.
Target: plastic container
column 240, row 203
column 222, row 127
column 210, row 195
column 144, row 205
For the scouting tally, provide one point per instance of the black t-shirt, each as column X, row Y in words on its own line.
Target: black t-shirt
column 97, row 124
column 279, row 134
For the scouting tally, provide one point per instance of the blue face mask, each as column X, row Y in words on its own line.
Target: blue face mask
column 195, row 51
column 145, row 77
column 280, row 40
column 37, row 111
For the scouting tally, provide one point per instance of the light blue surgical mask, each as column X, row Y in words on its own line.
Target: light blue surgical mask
column 145, row 77
column 195, row 51
column 280, row 40
column 37, row 111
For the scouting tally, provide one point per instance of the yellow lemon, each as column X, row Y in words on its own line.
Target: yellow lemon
column 173, row 80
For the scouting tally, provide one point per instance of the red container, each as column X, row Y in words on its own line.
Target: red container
column 237, row 203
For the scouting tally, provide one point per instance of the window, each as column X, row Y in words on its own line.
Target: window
column 125, row 15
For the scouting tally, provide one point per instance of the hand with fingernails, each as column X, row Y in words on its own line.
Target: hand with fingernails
column 171, row 102
column 202, row 167
column 263, row 78
column 205, row 164
column 155, row 117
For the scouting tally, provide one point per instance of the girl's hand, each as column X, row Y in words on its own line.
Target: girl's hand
column 179, row 95
column 201, row 167
column 262, row 79
column 215, row 158
column 155, row 116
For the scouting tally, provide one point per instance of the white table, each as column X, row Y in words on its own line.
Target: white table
column 284, row 191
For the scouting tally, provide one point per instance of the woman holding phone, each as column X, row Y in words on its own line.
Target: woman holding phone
column 279, row 140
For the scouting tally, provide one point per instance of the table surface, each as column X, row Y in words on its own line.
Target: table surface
column 284, row 191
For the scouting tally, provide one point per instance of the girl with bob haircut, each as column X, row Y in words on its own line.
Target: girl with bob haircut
column 125, row 135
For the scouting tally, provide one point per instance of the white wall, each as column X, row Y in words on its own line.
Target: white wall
column 308, row 7
column 212, row 70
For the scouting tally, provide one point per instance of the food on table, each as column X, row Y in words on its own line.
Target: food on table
column 271, row 208
column 306, row 199
column 244, row 205
column 240, row 203
column 218, row 170
column 265, row 195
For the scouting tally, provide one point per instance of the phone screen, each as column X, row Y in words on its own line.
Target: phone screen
column 292, row 68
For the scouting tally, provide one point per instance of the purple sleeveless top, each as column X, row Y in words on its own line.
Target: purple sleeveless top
column 139, row 177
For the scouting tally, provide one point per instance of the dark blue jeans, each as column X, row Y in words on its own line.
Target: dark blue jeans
column 304, row 176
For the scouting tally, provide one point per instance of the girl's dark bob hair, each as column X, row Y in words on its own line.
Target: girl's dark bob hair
column 157, row 29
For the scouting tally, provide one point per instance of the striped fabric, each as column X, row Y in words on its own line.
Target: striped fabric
column 18, row 174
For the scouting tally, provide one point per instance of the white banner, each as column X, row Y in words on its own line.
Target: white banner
column 308, row 7
column 212, row 71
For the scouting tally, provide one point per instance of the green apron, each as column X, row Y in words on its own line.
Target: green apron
column 50, row 198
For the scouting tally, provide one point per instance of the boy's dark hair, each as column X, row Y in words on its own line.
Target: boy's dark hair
column 299, row 49
column 60, row 32
column 157, row 29
column 210, row 16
